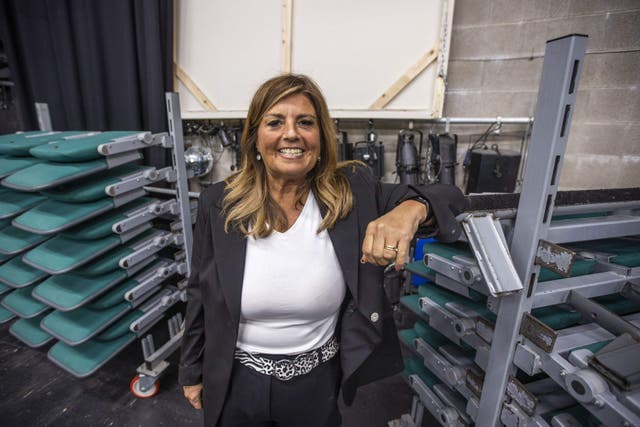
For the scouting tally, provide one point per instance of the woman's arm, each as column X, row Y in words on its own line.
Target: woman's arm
column 404, row 210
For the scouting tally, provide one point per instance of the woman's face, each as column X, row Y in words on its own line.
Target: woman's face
column 289, row 140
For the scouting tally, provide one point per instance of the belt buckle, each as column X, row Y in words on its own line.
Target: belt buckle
column 284, row 369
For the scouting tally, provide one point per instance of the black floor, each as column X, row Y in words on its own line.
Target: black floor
column 34, row 392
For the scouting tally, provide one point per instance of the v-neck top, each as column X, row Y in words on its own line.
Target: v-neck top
column 293, row 288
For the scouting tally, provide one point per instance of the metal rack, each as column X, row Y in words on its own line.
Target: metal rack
column 475, row 376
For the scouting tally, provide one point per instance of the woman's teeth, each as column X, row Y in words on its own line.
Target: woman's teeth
column 291, row 152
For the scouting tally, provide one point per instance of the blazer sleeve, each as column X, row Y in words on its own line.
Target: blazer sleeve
column 192, row 346
column 447, row 202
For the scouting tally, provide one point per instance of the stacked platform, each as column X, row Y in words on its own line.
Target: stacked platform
column 84, row 257
column 451, row 340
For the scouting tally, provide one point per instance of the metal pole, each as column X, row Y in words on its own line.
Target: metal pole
column 561, row 72
column 175, row 131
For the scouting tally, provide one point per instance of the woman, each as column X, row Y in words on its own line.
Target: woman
column 285, row 299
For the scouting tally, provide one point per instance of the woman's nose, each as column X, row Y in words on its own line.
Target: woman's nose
column 290, row 130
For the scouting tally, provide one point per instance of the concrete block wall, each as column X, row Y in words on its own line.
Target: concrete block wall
column 496, row 60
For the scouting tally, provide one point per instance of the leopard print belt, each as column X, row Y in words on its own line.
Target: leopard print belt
column 288, row 367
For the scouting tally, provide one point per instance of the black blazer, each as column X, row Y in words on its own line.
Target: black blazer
column 369, row 347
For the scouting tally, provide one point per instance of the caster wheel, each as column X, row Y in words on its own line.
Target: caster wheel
column 136, row 388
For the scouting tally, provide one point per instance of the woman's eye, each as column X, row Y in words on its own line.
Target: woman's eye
column 306, row 122
column 274, row 123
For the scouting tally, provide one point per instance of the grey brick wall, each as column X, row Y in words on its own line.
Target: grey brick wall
column 496, row 60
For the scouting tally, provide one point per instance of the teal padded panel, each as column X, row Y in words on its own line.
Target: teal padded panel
column 84, row 359
column 412, row 302
column 14, row 240
column 17, row 274
column 21, row 135
column 102, row 226
column 53, row 216
column 23, row 304
column 48, row 175
column 9, row 165
column 61, row 254
column 13, row 203
column 628, row 260
column 78, row 149
column 408, row 336
column 116, row 295
column 109, row 261
column 556, row 317
column 79, row 325
column 20, row 144
column 5, row 315
column 93, row 187
column 415, row 366
column 4, row 288
column 442, row 296
column 29, row 332
column 618, row 304
column 5, row 223
column 432, row 337
column 580, row 268
column 69, row 291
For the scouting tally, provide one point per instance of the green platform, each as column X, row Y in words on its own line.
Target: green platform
column 84, row 359
column 17, row 274
column 66, row 292
column 93, row 187
column 110, row 260
column 13, row 203
column 23, row 304
column 53, row 216
column 29, row 332
column 80, row 325
column 9, row 165
column 5, row 315
column 62, row 254
column 14, row 240
column 47, row 175
column 79, row 149
column 102, row 226
column 20, row 144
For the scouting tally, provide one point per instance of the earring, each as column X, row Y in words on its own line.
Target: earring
column 319, row 159
column 258, row 157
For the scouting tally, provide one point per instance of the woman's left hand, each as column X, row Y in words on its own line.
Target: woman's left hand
column 387, row 238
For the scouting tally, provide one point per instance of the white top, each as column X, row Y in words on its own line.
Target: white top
column 293, row 288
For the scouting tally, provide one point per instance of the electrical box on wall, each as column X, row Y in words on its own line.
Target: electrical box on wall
column 493, row 171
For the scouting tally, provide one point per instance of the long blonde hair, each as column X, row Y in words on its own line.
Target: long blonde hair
column 248, row 206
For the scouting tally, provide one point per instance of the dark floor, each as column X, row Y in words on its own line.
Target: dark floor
column 34, row 392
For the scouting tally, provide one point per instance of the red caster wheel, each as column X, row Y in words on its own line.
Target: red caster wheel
column 143, row 388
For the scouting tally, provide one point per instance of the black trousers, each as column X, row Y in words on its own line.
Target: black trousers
column 260, row 400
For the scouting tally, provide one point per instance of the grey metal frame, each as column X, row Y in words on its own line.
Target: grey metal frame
column 561, row 73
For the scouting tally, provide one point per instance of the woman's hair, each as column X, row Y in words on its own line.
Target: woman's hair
column 247, row 203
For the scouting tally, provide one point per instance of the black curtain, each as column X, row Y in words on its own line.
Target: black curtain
column 99, row 64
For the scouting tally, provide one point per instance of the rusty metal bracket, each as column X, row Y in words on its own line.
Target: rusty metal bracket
column 555, row 258
column 537, row 332
column 525, row 399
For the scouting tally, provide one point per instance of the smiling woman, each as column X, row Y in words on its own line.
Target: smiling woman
column 281, row 316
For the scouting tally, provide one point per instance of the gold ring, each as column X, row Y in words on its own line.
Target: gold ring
column 391, row 248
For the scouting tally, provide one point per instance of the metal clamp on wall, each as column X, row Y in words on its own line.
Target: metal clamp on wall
column 447, row 415
column 135, row 142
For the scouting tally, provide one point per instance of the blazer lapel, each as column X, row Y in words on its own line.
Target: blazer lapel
column 344, row 236
column 230, row 250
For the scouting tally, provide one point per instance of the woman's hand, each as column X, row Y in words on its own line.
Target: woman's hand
column 387, row 238
column 193, row 393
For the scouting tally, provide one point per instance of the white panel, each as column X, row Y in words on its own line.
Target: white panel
column 228, row 48
column 354, row 49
